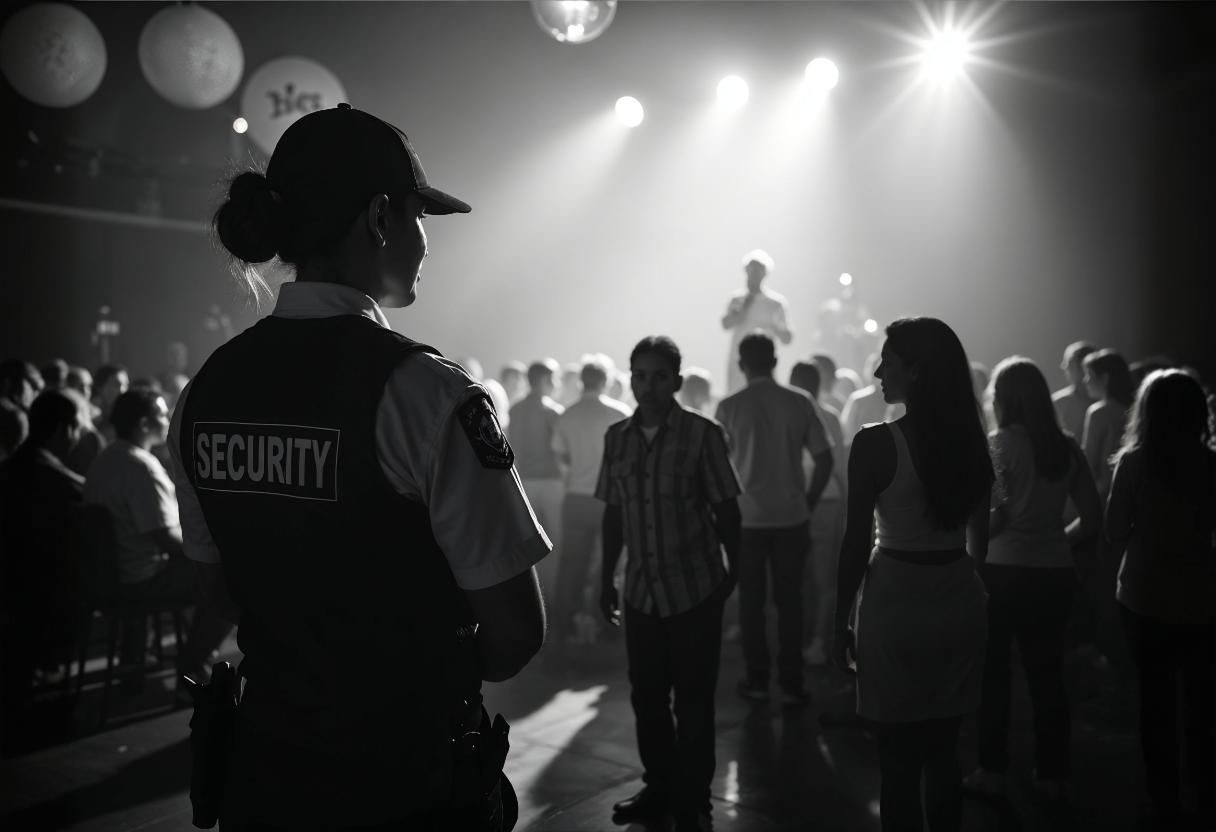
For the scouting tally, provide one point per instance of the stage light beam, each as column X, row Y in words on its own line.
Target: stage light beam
column 846, row 279
column 870, row 325
column 629, row 111
column 945, row 56
column 732, row 93
column 821, row 75
column 239, row 125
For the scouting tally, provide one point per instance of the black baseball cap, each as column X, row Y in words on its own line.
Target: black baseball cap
column 345, row 157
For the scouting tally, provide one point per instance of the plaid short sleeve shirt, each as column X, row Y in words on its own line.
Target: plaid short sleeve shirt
column 665, row 489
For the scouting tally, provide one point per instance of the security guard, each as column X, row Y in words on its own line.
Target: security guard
column 350, row 494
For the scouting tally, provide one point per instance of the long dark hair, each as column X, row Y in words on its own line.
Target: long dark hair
column 1169, row 424
column 1020, row 396
column 945, row 417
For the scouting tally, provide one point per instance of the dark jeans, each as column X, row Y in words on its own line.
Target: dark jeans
column 783, row 553
column 679, row 653
column 908, row 752
column 1166, row 650
column 582, row 522
column 1033, row 606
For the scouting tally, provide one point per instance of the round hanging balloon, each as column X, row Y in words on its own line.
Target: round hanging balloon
column 281, row 91
column 573, row 21
column 52, row 54
column 191, row 56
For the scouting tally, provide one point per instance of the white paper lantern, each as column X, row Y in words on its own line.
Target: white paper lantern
column 573, row 21
column 191, row 56
column 281, row 91
column 52, row 54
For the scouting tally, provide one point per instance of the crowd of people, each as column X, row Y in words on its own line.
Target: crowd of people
column 915, row 519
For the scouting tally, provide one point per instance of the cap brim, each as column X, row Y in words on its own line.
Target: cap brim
column 437, row 202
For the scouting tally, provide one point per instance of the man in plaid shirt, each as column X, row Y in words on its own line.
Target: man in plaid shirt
column 670, row 489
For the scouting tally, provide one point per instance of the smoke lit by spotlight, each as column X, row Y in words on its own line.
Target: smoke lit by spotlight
column 870, row 325
column 240, row 125
column 629, row 111
column 846, row 279
column 945, row 56
column 821, row 75
column 732, row 92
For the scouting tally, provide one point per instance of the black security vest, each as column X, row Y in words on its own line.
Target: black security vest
column 350, row 616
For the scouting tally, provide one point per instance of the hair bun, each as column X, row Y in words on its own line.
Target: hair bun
column 250, row 221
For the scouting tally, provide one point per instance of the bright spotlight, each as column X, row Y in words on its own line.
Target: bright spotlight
column 946, row 55
column 732, row 92
column 240, row 125
column 870, row 325
column 846, row 279
column 822, row 75
column 629, row 111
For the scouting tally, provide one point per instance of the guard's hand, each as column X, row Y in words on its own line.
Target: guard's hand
column 842, row 650
column 610, row 605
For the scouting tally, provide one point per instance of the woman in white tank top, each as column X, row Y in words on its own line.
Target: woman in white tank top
column 920, row 618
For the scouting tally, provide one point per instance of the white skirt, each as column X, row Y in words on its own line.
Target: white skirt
column 921, row 631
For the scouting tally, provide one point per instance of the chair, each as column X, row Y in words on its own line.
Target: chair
column 102, row 595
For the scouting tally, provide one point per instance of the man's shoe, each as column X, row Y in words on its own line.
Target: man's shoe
column 753, row 691
column 646, row 804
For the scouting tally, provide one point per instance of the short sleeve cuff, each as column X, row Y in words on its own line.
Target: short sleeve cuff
column 502, row 569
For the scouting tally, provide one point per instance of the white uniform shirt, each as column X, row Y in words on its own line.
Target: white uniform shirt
column 767, row 313
column 480, row 516
column 578, row 439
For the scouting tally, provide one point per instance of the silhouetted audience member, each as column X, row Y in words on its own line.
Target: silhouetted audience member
column 54, row 373
column 571, row 386
column 671, row 491
column 1029, row 574
column 1109, row 383
column 751, row 308
column 140, row 496
column 81, row 380
column 768, row 425
column 1073, row 400
column 578, row 441
column 864, row 406
column 921, row 620
column 827, row 527
column 1160, row 520
column 20, row 383
column 533, row 424
column 109, row 382
column 514, row 379
column 696, row 392
column 827, row 381
column 39, row 561
column 1139, row 370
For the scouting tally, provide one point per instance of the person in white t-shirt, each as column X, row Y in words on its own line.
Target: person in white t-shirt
column 128, row 479
column 578, row 441
column 753, row 308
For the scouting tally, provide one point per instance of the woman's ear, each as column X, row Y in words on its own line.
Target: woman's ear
column 377, row 219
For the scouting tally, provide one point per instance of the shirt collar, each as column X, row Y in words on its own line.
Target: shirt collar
column 673, row 417
column 761, row 380
column 322, row 299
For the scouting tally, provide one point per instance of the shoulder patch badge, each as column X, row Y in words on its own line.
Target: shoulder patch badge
column 485, row 434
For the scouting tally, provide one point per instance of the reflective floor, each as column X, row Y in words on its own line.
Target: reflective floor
column 573, row 756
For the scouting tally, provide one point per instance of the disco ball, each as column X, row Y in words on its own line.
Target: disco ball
column 191, row 56
column 52, row 54
column 573, row 21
